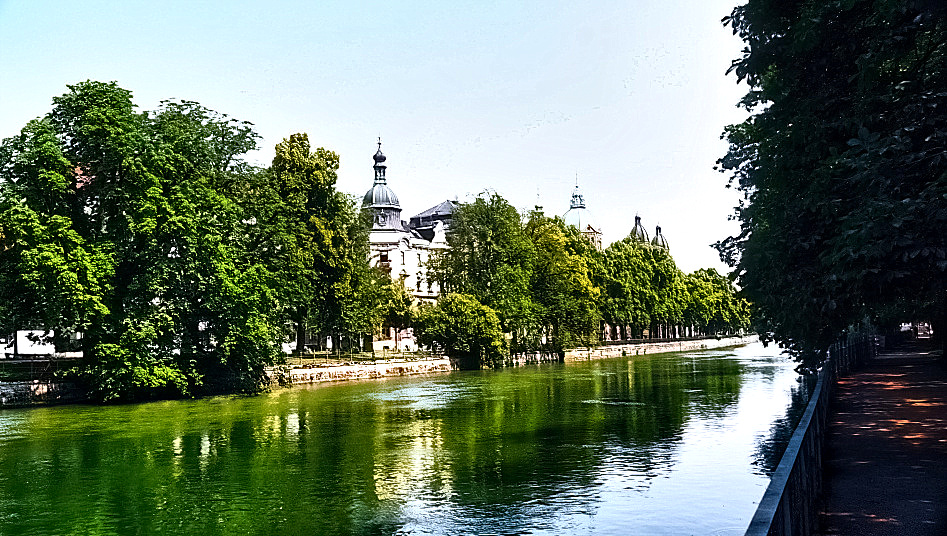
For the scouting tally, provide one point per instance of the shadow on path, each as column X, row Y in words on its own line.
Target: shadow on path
column 886, row 447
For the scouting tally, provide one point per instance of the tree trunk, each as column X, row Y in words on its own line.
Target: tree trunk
column 300, row 333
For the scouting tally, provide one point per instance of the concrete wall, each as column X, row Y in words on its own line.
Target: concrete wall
column 395, row 367
column 16, row 394
column 619, row 350
column 399, row 367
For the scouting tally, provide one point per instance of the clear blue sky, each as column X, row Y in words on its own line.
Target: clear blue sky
column 514, row 97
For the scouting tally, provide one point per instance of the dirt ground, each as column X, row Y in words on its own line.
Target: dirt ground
column 886, row 447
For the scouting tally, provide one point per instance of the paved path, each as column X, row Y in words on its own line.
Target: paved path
column 886, row 448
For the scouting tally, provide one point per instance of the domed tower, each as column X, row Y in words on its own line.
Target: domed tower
column 581, row 218
column 659, row 239
column 638, row 232
column 380, row 200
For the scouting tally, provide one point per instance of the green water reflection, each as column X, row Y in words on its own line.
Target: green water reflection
column 661, row 444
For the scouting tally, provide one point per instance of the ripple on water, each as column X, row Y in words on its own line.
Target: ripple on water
column 613, row 402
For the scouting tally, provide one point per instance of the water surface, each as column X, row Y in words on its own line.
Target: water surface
column 665, row 444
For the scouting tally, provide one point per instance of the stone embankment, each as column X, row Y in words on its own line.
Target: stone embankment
column 37, row 393
column 398, row 367
column 620, row 350
column 360, row 371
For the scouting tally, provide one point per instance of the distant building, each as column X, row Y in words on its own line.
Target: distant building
column 659, row 239
column 581, row 218
column 638, row 232
column 402, row 248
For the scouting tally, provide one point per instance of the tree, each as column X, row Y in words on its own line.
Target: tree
column 464, row 329
column 564, row 299
column 842, row 165
column 397, row 307
column 489, row 257
column 121, row 225
column 629, row 296
column 306, row 243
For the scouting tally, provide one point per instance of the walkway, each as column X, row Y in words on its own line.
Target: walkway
column 886, row 448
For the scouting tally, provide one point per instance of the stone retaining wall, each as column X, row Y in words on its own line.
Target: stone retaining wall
column 35, row 393
column 398, row 367
column 364, row 371
column 606, row 352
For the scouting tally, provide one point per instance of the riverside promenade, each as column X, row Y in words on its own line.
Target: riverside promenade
column 886, row 447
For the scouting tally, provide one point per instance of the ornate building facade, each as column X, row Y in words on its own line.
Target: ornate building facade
column 403, row 248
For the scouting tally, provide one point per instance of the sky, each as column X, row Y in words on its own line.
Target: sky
column 628, row 98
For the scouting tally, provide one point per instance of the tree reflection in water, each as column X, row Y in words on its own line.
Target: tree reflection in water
column 586, row 447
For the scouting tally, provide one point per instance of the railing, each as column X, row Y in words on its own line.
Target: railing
column 790, row 504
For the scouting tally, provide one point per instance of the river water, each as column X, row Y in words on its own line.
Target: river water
column 664, row 444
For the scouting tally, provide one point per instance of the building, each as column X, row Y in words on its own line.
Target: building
column 581, row 218
column 403, row 248
column 659, row 239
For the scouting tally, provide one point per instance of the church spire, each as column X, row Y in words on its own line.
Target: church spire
column 578, row 201
column 379, row 164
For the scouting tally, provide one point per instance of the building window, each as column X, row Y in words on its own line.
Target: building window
column 383, row 256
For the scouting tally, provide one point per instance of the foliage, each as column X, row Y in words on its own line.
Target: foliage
column 629, row 296
column 842, row 165
column 564, row 299
column 139, row 230
column 489, row 257
column 464, row 329
column 552, row 288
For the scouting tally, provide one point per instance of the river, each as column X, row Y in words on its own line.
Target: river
column 664, row 444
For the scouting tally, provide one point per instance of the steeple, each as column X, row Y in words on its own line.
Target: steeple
column 380, row 200
column 379, row 164
column 581, row 218
column 577, row 200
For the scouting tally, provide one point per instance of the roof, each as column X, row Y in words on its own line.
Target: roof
column 578, row 216
column 380, row 196
column 638, row 232
column 445, row 208
column 659, row 239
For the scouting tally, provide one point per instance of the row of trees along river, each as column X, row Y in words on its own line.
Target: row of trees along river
column 843, row 167
column 184, row 268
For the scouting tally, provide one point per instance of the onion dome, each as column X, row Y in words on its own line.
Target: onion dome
column 380, row 195
column 659, row 239
column 578, row 216
column 638, row 232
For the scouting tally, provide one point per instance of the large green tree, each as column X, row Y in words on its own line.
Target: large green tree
column 119, row 224
column 490, row 257
column 464, row 329
column 563, row 297
column 629, row 295
column 842, row 165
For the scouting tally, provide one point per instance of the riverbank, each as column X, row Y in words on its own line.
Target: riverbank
column 286, row 375
column 644, row 348
column 38, row 393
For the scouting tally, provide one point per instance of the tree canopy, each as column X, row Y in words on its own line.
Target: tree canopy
column 552, row 288
column 178, row 263
column 842, row 165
